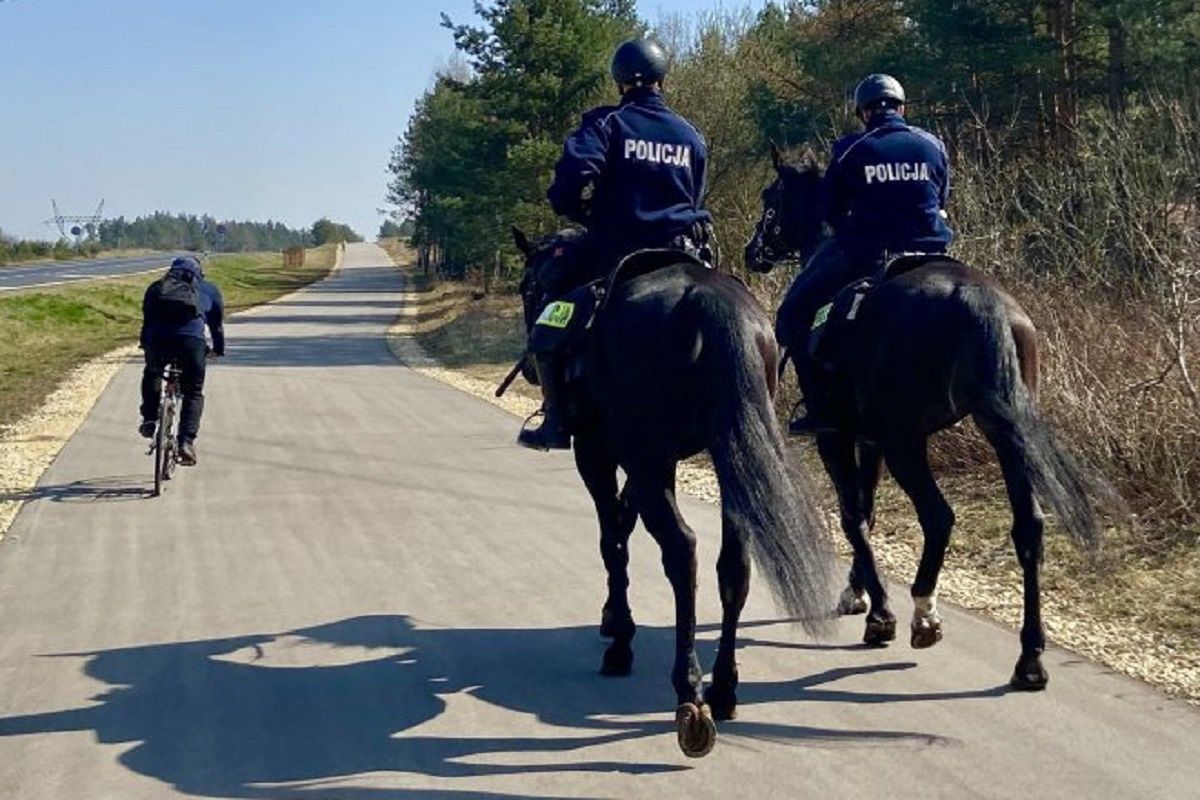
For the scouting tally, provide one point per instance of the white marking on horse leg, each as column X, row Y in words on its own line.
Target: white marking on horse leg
column 925, row 613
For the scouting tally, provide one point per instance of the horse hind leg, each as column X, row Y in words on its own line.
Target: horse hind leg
column 909, row 465
column 1027, row 536
column 733, row 579
column 695, row 728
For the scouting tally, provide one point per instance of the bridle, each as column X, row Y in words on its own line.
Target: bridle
column 770, row 225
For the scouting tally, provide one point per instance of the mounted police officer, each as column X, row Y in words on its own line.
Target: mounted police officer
column 884, row 192
column 633, row 175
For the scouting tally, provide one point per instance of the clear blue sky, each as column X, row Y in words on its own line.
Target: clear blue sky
column 246, row 109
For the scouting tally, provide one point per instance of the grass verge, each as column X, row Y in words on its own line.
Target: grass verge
column 45, row 333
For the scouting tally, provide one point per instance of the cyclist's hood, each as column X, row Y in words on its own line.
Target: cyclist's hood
column 188, row 265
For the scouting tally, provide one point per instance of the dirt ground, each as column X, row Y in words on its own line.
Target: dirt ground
column 1136, row 615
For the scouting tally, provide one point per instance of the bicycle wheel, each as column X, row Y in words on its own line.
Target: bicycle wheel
column 160, row 450
column 170, row 436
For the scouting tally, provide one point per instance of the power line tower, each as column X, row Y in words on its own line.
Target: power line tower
column 75, row 225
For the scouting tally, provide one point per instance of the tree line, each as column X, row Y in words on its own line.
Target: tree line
column 1073, row 128
column 1058, row 113
column 163, row 231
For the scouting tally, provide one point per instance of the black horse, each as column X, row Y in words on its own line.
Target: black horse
column 933, row 345
column 683, row 359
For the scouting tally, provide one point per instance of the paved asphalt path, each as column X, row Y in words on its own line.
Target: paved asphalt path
column 365, row 591
column 53, row 273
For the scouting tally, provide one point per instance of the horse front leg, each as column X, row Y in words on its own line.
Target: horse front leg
column 855, row 484
column 909, row 465
column 617, row 519
column 696, row 730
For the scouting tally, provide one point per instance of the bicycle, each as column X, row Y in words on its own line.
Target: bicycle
column 165, row 447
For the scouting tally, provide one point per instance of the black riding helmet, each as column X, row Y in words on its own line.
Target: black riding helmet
column 875, row 91
column 639, row 62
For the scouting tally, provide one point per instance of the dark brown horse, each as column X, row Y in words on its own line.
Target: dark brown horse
column 930, row 347
column 683, row 360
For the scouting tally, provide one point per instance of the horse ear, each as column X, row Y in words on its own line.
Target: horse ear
column 521, row 240
column 776, row 156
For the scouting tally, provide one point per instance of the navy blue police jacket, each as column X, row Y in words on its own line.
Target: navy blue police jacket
column 646, row 165
column 886, row 189
column 212, row 313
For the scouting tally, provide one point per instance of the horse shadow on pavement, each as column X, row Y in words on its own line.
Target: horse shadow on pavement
column 286, row 715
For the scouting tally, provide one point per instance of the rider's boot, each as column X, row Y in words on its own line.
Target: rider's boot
column 552, row 434
column 819, row 414
column 187, row 452
column 146, row 428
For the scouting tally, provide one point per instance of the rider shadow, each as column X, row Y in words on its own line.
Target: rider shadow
column 113, row 489
column 240, row 717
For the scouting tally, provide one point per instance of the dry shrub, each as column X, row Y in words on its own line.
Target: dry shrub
column 1103, row 250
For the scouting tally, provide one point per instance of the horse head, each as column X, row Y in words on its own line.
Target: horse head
column 790, row 226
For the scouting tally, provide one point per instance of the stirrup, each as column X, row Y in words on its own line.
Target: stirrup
column 803, row 426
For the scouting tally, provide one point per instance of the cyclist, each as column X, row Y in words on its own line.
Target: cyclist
column 175, row 310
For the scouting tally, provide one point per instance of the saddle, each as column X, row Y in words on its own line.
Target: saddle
column 831, row 341
column 563, row 323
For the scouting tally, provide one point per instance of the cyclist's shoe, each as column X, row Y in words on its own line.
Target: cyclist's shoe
column 187, row 452
column 146, row 429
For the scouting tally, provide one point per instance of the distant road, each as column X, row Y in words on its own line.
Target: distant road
column 52, row 273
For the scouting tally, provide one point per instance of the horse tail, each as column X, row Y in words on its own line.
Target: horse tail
column 767, row 500
column 1064, row 482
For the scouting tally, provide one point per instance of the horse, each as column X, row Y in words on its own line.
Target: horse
column 681, row 360
column 935, row 344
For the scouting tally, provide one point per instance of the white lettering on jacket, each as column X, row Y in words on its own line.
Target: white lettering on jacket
column 884, row 173
column 675, row 155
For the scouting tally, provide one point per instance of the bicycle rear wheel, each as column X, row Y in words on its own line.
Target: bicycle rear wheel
column 170, row 436
column 160, row 454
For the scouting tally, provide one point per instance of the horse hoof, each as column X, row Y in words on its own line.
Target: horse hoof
column 926, row 633
column 613, row 625
column 1030, row 675
column 696, row 729
column 851, row 603
column 879, row 630
column 617, row 661
column 722, row 702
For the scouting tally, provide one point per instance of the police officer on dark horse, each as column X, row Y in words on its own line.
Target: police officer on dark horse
column 681, row 359
column 644, row 166
column 885, row 191
column 933, row 341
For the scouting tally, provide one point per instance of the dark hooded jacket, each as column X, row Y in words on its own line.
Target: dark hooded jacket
column 212, row 311
column 647, row 168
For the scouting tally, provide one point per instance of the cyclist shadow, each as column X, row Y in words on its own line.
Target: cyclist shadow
column 240, row 717
column 112, row 489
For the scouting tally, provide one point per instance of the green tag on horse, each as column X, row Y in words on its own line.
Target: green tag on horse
column 822, row 316
column 557, row 315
